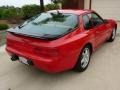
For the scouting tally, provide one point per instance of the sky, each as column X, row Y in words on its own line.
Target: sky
column 19, row 3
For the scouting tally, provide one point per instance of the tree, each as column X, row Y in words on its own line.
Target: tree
column 6, row 14
column 57, row 1
column 30, row 11
column 1, row 12
column 42, row 9
column 51, row 7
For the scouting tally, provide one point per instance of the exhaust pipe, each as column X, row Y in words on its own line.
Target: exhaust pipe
column 14, row 58
column 30, row 62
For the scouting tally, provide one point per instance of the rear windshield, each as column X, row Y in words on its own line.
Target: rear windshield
column 56, row 19
column 49, row 25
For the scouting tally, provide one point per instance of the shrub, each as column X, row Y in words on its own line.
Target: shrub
column 30, row 11
column 3, row 26
column 51, row 7
column 57, row 1
column 15, row 20
column 11, row 13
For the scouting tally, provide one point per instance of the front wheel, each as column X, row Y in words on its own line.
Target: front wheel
column 113, row 35
column 83, row 60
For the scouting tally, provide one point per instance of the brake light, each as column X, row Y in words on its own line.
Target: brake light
column 10, row 42
column 47, row 52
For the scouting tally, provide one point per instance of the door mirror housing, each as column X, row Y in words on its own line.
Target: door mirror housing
column 105, row 21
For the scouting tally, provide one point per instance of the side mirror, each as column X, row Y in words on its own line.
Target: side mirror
column 105, row 21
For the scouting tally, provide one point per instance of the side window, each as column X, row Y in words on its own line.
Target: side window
column 86, row 22
column 95, row 19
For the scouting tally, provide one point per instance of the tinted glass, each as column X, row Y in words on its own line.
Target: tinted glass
column 86, row 22
column 48, row 25
column 64, row 20
column 95, row 19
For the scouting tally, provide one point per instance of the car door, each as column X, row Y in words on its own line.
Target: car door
column 99, row 27
column 88, row 29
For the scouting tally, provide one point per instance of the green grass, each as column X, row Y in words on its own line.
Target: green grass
column 3, row 26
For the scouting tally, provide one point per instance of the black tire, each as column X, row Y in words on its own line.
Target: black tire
column 78, row 67
column 113, row 35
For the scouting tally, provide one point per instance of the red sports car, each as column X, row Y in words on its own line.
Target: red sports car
column 59, row 40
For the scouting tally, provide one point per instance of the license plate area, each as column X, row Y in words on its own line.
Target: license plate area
column 23, row 60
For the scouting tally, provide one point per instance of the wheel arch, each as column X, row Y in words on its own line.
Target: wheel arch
column 90, row 45
column 77, row 65
column 115, row 26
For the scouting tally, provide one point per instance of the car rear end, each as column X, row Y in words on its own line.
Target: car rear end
column 37, row 52
column 38, row 41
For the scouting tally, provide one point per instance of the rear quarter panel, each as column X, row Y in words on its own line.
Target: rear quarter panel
column 112, row 24
column 71, row 46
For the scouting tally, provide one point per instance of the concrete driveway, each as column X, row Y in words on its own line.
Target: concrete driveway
column 102, row 74
column 2, row 37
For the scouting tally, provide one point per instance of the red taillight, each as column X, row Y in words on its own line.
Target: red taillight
column 47, row 52
column 10, row 43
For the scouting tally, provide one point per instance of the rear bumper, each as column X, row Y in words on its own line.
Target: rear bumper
column 47, row 65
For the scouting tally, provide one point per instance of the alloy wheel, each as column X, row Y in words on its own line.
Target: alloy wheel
column 85, row 57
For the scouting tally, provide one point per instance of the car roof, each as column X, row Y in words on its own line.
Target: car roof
column 77, row 12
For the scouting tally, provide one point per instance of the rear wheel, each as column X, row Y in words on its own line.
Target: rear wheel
column 113, row 35
column 84, row 59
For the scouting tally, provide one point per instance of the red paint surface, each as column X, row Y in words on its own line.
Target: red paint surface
column 61, row 54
